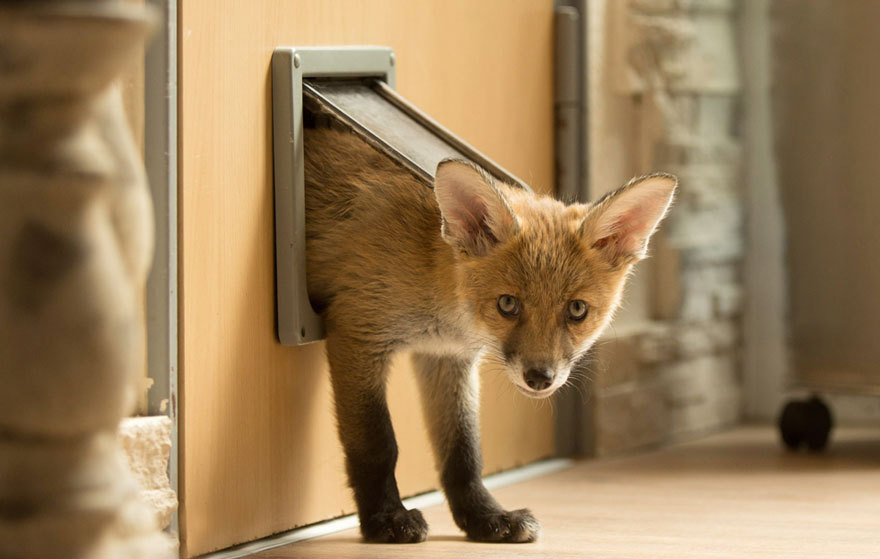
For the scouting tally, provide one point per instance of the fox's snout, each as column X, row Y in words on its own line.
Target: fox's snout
column 539, row 379
column 536, row 356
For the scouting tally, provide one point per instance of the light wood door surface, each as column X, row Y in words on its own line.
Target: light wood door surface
column 259, row 450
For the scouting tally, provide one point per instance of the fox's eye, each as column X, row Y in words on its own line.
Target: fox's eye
column 577, row 310
column 508, row 305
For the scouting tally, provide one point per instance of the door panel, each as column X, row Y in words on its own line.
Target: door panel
column 259, row 448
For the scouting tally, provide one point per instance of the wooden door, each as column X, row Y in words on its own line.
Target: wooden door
column 259, row 450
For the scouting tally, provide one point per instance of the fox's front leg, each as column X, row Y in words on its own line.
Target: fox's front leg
column 450, row 397
column 358, row 376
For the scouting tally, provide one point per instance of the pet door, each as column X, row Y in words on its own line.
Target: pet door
column 352, row 87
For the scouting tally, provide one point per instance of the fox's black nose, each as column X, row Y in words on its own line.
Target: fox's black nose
column 539, row 379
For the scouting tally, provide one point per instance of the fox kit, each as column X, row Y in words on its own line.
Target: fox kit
column 474, row 270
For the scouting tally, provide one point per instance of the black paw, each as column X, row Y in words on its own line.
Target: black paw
column 400, row 526
column 517, row 526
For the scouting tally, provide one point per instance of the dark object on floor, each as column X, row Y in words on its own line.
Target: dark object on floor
column 806, row 422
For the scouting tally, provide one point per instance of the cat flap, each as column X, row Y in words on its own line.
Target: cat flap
column 392, row 125
column 349, row 87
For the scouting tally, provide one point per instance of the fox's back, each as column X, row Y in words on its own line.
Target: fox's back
column 371, row 226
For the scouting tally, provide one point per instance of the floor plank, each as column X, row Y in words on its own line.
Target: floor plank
column 731, row 495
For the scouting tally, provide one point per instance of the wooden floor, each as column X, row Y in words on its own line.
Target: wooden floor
column 731, row 495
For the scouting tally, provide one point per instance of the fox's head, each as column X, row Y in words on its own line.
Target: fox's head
column 543, row 279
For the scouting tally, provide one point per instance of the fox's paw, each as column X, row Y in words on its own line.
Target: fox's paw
column 400, row 526
column 517, row 526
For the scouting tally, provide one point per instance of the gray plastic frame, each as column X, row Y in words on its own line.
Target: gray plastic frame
column 297, row 322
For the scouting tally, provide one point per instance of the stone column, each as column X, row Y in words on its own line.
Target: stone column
column 678, row 374
column 75, row 245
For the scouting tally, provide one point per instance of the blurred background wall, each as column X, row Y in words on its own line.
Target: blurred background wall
column 665, row 87
column 764, row 279
column 826, row 91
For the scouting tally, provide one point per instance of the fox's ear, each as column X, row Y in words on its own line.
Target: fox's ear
column 476, row 215
column 621, row 223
